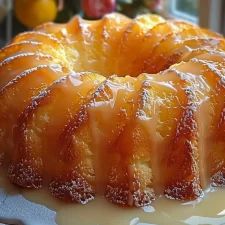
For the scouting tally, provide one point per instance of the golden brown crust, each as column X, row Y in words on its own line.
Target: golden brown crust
column 130, row 138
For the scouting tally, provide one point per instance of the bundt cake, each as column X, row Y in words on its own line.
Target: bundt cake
column 131, row 109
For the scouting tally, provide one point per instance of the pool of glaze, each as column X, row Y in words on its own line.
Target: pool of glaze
column 38, row 207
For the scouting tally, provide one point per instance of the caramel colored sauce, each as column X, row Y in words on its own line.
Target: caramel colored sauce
column 209, row 210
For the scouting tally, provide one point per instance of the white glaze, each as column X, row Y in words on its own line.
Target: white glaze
column 209, row 210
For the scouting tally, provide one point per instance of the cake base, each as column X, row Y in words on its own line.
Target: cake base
column 38, row 207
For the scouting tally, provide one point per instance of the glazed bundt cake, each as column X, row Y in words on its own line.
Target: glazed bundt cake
column 155, row 127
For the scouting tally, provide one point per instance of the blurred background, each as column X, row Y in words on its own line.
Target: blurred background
column 21, row 15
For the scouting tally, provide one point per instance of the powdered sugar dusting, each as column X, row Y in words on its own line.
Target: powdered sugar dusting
column 24, row 174
column 21, row 55
column 20, row 76
column 218, row 179
column 72, row 187
column 35, row 35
